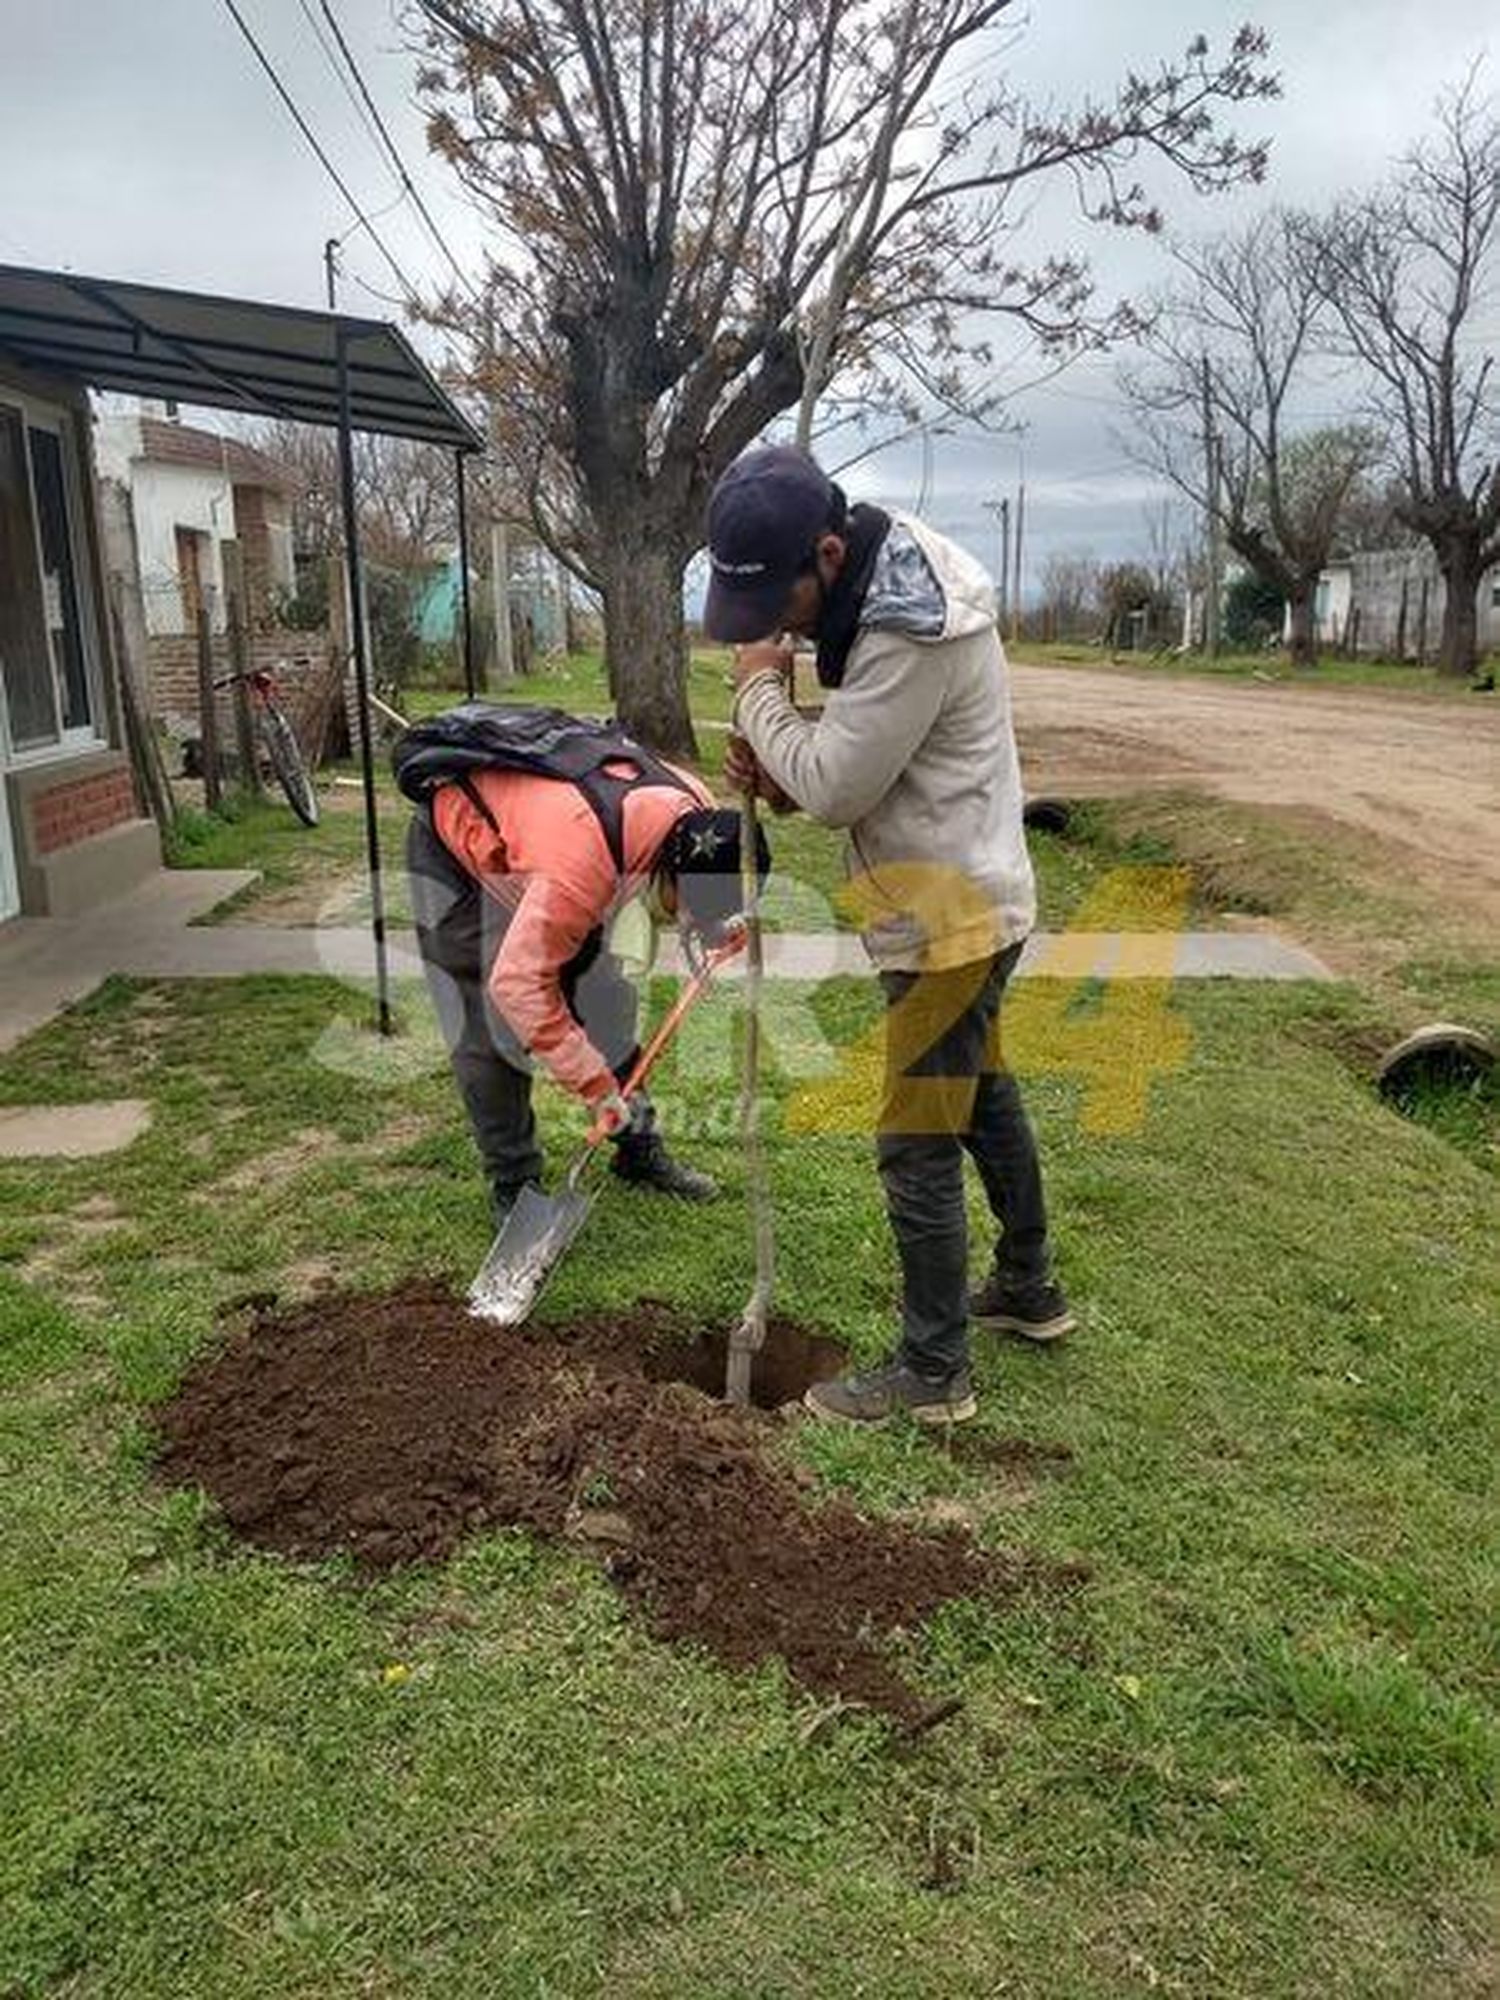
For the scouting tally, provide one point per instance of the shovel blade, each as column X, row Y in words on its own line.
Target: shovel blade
column 524, row 1255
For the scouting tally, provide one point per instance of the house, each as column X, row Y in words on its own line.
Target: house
column 71, row 831
column 207, row 513
column 1332, row 603
column 538, row 605
column 1389, row 603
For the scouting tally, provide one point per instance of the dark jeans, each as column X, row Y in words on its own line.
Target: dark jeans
column 459, row 931
column 947, row 1092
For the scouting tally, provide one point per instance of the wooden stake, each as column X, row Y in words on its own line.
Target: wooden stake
column 208, row 721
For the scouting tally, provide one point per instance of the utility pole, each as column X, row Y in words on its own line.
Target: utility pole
column 1001, row 511
column 1015, row 596
column 1213, row 468
column 330, row 267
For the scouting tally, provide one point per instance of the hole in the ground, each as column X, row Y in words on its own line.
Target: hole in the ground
column 789, row 1362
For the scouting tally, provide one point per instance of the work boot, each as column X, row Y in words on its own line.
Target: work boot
column 503, row 1197
column 642, row 1159
column 1034, row 1308
column 886, row 1391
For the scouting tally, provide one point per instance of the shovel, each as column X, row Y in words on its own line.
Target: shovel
column 540, row 1227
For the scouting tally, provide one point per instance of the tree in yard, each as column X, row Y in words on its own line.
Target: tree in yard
column 405, row 498
column 1229, row 352
column 1409, row 276
column 709, row 216
column 403, row 489
column 1253, row 612
column 1122, row 591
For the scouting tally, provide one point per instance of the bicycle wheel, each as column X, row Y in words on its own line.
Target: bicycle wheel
column 289, row 764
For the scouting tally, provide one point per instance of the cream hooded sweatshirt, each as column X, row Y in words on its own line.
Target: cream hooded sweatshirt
column 915, row 755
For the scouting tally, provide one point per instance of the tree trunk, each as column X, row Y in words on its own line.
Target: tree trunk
column 1458, row 650
column 1302, row 641
column 645, row 642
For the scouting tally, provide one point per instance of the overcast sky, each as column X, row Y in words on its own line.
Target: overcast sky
column 143, row 141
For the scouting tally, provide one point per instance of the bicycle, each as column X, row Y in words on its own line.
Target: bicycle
column 283, row 751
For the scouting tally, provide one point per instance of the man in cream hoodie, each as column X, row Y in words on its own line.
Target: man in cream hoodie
column 914, row 754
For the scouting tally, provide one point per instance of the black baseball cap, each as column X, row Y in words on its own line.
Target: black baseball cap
column 763, row 518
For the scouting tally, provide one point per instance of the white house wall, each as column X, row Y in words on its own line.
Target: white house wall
column 166, row 498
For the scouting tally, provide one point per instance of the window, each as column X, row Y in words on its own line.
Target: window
column 59, row 578
column 1495, row 593
column 30, row 691
column 44, row 651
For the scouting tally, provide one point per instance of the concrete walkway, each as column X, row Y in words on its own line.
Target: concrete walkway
column 46, row 963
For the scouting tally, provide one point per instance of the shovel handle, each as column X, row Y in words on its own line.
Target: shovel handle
column 670, row 1022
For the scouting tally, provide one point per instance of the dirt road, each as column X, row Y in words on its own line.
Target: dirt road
column 1420, row 775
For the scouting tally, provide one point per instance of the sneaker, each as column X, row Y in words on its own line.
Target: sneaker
column 1035, row 1309
column 886, row 1392
column 642, row 1159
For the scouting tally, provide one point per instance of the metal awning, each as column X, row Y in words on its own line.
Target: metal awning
column 228, row 354
column 270, row 361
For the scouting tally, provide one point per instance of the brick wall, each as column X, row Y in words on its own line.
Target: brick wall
column 76, row 809
column 299, row 661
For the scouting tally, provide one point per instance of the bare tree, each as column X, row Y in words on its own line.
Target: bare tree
column 1164, row 544
column 1070, row 588
column 1409, row 274
column 1230, row 351
column 1123, row 591
column 709, row 216
column 404, row 492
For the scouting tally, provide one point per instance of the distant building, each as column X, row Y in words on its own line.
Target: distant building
column 207, row 516
column 1389, row 603
column 205, row 508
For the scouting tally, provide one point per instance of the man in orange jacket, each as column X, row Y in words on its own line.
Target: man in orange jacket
column 514, row 877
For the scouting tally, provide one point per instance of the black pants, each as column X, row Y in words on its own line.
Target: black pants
column 947, row 1093
column 459, row 931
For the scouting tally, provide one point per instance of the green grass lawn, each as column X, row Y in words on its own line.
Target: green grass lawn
column 1254, row 1755
column 578, row 683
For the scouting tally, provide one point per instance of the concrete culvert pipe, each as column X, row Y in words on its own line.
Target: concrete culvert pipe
column 1048, row 815
column 1443, row 1052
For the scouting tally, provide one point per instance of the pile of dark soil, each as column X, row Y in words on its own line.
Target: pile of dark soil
column 389, row 1426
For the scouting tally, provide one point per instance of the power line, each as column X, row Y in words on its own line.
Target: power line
column 408, row 289
column 391, row 149
column 344, row 84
